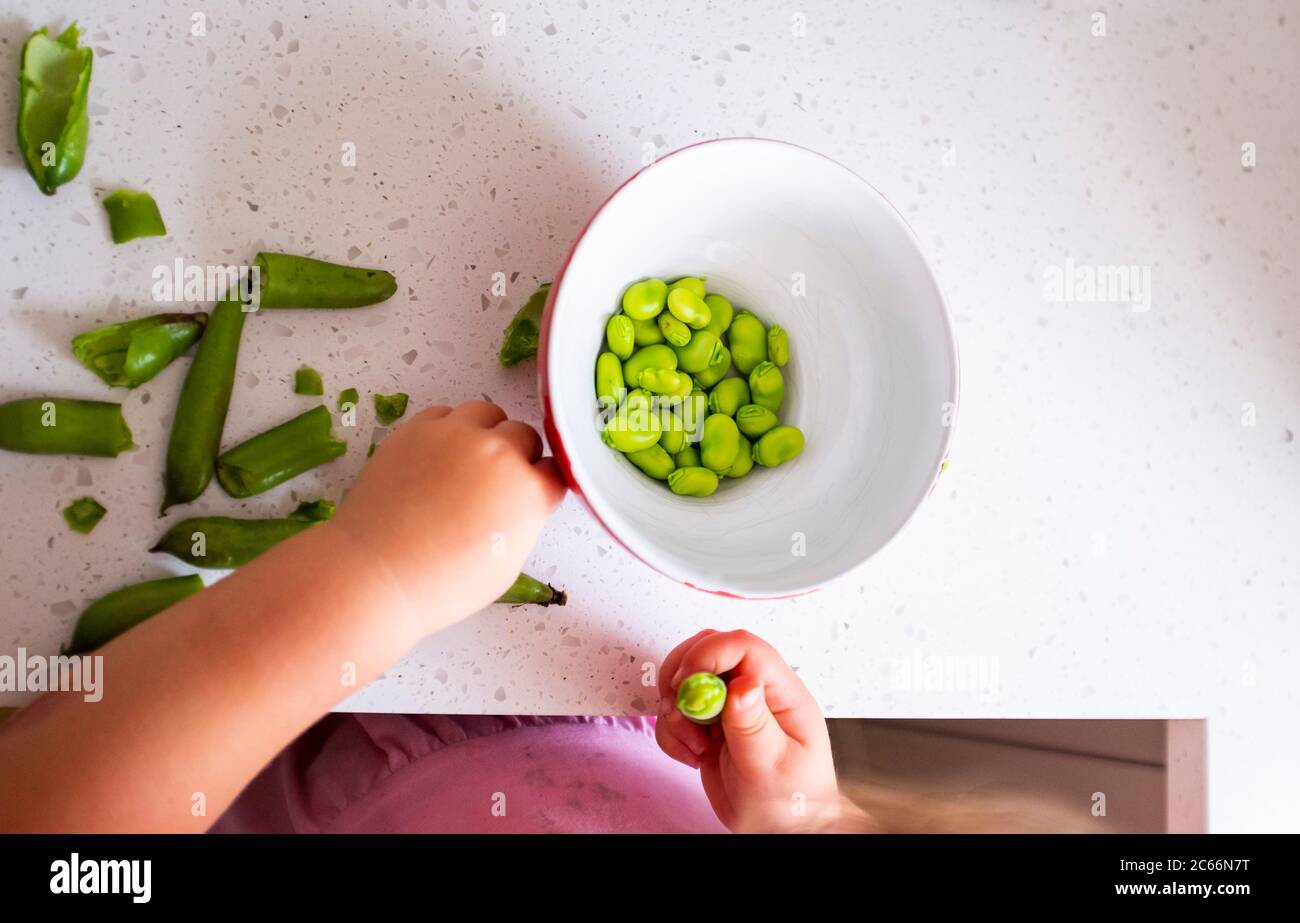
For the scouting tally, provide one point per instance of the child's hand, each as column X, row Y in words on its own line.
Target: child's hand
column 449, row 508
column 767, row 765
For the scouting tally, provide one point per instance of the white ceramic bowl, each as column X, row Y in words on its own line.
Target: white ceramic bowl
column 872, row 378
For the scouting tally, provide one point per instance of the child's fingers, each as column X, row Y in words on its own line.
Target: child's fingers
column 482, row 413
column 668, row 669
column 436, row 412
column 552, row 480
column 686, row 745
column 756, row 741
column 521, row 436
column 740, row 653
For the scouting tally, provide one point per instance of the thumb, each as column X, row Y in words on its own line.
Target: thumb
column 755, row 741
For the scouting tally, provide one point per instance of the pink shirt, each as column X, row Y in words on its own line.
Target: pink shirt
column 361, row 773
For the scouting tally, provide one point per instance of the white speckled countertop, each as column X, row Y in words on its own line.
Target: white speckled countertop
column 1117, row 535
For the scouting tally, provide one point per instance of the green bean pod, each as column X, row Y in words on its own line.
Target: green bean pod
column 128, row 354
column 389, row 408
column 109, row 616
column 720, row 314
column 308, row 381
column 716, row 370
column 748, row 340
column 524, row 332
column 720, row 443
column 223, row 542
column 778, row 445
column 646, row 332
column 288, row 281
column 702, row 351
column 133, row 214
column 201, row 410
column 64, row 426
column 754, row 420
column 280, row 453
column 529, row 590
column 767, row 386
column 620, row 334
column 54, row 81
column 644, row 300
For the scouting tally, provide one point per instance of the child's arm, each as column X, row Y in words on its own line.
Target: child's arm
column 198, row 699
column 766, row 766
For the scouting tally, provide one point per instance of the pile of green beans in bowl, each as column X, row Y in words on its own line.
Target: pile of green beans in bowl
column 690, row 389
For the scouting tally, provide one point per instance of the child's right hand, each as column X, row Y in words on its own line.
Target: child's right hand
column 449, row 508
column 766, row 767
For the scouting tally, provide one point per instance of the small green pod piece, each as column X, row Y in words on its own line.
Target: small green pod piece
column 128, row 354
column 528, row 590
column 308, row 381
column 620, row 334
column 688, row 308
column 744, row 462
column 728, row 396
column 632, row 429
column 701, row 697
column 754, row 420
column 716, row 370
column 201, row 409
column 644, row 300
column 720, row 314
column 702, row 351
column 767, row 386
column 666, row 382
column 688, row 457
column 524, row 331
column 348, row 396
column 675, row 332
column 646, row 332
column 133, row 214
column 778, row 345
column 690, row 283
column 83, row 515
column 610, row 385
column 280, row 453
column 390, row 408
column 720, row 443
column 288, row 281
column 654, row 461
column 648, row 357
column 778, row 445
column 64, row 426
column 693, row 482
column 54, row 81
column 109, row 616
column 223, row 542
column 748, row 340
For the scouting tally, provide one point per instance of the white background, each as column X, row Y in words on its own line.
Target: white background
column 1110, row 539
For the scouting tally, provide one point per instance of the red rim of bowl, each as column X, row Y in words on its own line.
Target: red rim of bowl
column 553, row 439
